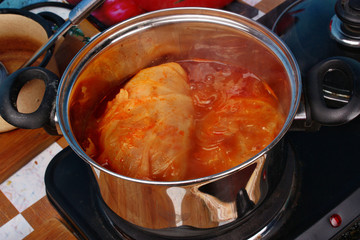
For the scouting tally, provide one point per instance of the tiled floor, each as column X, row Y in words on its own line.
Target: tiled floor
column 21, row 192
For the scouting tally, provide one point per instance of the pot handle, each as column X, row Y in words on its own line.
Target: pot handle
column 42, row 117
column 320, row 112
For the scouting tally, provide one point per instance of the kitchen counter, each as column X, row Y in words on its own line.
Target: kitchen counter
column 25, row 211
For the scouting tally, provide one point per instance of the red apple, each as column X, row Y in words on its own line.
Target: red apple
column 114, row 11
column 151, row 5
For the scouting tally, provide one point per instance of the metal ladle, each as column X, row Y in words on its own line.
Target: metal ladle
column 78, row 13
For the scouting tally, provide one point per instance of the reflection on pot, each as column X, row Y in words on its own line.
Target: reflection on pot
column 201, row 205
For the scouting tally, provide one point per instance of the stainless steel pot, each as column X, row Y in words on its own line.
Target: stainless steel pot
column 171, row 35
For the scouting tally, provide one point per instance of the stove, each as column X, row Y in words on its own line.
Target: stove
column 318, row 196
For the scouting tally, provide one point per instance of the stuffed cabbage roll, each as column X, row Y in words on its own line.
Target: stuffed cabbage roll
column 234, row 133
column 145, row 130
column 237, row 116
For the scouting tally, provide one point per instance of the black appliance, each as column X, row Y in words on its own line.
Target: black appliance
column 318, row 196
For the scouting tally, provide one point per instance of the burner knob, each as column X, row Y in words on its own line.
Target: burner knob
column 345, row 24
column 348, row 11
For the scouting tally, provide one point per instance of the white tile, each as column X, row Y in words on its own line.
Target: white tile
column 27, row 186
column 252, row 2
column 16, row 228
column 259, row 15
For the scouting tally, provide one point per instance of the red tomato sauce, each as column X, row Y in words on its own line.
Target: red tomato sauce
column 236, row 115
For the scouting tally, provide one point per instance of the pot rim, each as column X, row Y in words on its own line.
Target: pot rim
column 142, row 22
